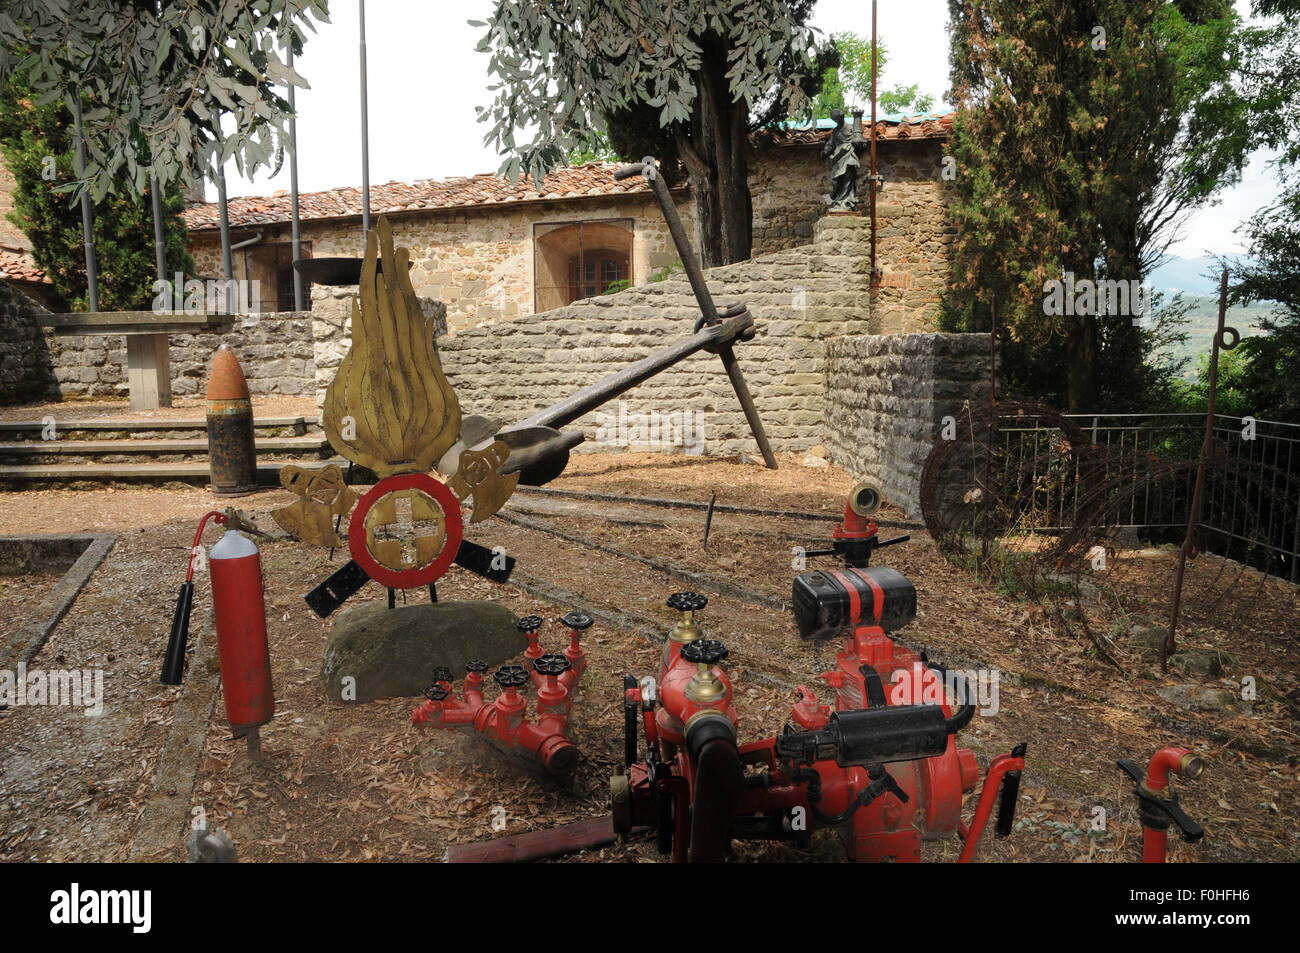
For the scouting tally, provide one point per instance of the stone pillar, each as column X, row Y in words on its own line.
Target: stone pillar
column 886, row 397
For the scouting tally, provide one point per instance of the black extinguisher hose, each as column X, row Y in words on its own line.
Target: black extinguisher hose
column 1009, row 795
column 174, row 659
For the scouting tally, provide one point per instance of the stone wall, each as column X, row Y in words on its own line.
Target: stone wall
column 276, row 351
column 790, row 187
column 886, row 397
column 799, row 298
column 26, row 371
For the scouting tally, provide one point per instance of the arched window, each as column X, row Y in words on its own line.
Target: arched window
column 575, row 260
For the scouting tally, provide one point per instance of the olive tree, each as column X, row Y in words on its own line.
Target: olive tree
column 166, row 89
column 708, row 73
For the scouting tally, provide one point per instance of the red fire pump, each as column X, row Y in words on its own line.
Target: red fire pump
column 883, row 772
column 504, row 722
column 1157, row 802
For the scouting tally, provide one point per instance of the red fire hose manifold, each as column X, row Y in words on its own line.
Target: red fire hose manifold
column 504, row 722
column 881, row 771
column 884, row 776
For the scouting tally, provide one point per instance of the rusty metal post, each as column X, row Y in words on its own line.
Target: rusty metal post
column 1170, row 645
column 872, row 179
column 650, row 170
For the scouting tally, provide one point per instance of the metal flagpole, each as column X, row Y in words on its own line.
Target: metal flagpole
column 159, row 244
column 87, row 217
column 298, row 289
column 365, row 136
column 227, row 264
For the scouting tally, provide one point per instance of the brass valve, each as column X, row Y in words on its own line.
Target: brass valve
column 688, row 603
column 705, row 688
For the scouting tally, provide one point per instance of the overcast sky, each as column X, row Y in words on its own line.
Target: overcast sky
column 426, row 80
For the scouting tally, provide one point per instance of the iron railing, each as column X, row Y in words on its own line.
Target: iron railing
column 1251, row 508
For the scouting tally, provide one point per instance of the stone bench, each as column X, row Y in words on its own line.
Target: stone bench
column 148, row 364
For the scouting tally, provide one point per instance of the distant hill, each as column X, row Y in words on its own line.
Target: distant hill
column 1198, row 276
column 1198, row 280
column 1203, row 319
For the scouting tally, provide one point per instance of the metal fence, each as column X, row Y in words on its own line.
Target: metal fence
column 1251, row 505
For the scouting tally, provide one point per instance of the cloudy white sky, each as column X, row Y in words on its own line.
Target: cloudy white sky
column 426, row 80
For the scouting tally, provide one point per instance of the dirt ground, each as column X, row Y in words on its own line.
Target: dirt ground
column 18, row 592
column 359, row 783
column 183, row 408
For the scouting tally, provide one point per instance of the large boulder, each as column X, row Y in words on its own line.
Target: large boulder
column 392, row 652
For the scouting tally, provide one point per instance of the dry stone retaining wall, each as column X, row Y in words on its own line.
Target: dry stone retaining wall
column 26, row 371
column 799, row 298
column 886, row 397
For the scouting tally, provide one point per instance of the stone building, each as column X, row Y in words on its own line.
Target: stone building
column 492, row 250
column 18, row 268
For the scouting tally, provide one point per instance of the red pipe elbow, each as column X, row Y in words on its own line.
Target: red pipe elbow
column 1178, row 760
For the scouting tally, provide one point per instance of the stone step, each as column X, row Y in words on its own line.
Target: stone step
column 95, row 428
column 63, row 452
column 90, row 475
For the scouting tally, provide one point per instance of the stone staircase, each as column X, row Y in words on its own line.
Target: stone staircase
column 97, row 452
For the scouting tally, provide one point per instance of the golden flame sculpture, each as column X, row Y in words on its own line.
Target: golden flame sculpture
column 390, row 407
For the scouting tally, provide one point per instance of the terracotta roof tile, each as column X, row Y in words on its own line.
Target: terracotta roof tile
column 17, row 264
column 583, row 181
column 932, row 126
column 592, row 179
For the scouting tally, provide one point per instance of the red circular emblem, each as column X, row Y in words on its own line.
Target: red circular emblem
column 406, row 531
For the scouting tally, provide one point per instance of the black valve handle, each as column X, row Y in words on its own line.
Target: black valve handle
column 476, row 665
column 1157, row 811
column 708, row 651
column 511, row 676
column 442, row 674
column 687, row 601
column 529, row 623
column 436, row 693
column 578, row 621
column 551, row 664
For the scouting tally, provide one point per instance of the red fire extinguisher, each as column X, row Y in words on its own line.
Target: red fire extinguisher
column 237, row 603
